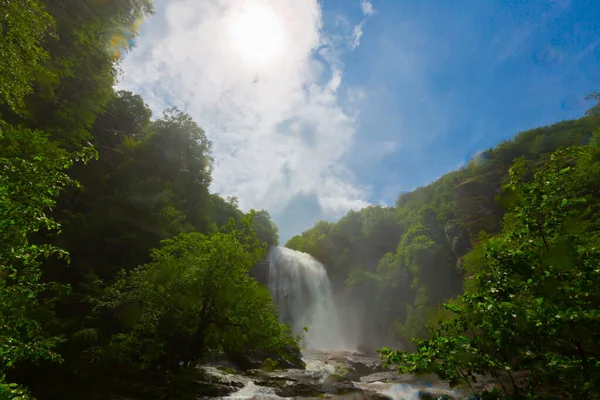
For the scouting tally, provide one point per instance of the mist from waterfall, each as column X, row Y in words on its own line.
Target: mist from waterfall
column 301, row 289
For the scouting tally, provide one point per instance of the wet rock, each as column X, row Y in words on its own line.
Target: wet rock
column 291, row 388
column 339, row 376
column 291, row 383
column 216, row 382
column 256, row 359
column 337, row 384
column 299, row 389
column 434, row 395
column 295, row 375
column 294, row 383
column 362, row 368
column 245, row 361
column 353, row 396
column 349, row 366
column 346, row 372
column 208, row 390
column 395, row 377
column 365, row 396
column 293, row 359
column 376, row 396
column 355, row 365
column 273, row 381
column 388, row 376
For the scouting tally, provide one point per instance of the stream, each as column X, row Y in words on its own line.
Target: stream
column 302, row 291
column 328, row 374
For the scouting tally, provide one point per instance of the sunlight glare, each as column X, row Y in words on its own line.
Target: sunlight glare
column 256, row 33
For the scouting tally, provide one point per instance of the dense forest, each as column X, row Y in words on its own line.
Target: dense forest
column 119, row 270
column 514, row 234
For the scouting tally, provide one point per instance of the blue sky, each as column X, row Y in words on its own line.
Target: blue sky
column 446, row 79
column 315, row 108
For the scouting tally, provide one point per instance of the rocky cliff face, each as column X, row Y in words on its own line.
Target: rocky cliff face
column 260, row 272
column 477, row 206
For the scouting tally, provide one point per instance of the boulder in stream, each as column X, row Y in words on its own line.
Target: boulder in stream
column 247, row 360
column 428, row 394
column 353, row 365
column 337, row 384
column 217, row 382
column 388, row 376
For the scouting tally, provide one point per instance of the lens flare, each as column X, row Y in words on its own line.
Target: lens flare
column 121, row 40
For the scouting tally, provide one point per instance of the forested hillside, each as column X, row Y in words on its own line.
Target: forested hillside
column 398, row 264
column 529, row 320
column 119, row 270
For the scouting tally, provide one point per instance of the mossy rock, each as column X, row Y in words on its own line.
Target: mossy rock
column 214, row 389
column 227, row 370
column 343, row 371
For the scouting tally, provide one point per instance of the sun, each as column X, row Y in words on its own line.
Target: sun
column 256, row 33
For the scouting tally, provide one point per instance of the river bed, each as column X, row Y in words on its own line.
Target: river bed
column 332, row 375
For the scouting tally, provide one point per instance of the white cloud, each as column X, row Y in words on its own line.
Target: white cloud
column 357, row 32
column 367, row 7
column 274, row 116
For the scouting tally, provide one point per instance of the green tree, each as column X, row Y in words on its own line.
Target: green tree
column 194, row 299
column 595, row 110
column 265, row 228
column 71, row 68
column 150, row 183
column 534, row 311
column 32, row 175
column 23, row 26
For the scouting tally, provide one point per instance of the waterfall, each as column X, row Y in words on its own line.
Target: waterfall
column 302, row 291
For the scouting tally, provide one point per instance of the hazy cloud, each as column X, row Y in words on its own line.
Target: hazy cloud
column 357, row 31
column 367, row 7
column 270, row 107
column 356, row 35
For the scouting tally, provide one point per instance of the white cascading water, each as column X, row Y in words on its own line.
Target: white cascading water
column 302, row 291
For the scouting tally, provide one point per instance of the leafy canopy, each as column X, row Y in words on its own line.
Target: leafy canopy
column 533, row 311
column 194, row 299
column 32, row 174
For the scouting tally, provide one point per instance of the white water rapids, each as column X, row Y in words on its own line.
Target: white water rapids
column 322, row 365
column 301, row 289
